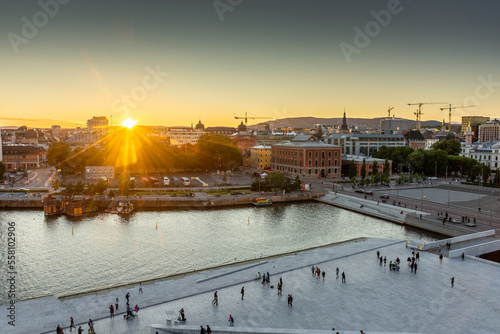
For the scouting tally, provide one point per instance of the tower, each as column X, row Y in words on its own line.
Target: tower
column 344, row 128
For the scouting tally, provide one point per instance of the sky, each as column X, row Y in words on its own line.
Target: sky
column 164, row 62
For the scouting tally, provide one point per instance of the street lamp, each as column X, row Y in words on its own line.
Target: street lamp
column 449, row 186
column 491, row 205
column 422, row 198
column 435, row 168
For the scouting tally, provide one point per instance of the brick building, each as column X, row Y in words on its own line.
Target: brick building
column 23, row 157
column 307, row 159
column 358, row 164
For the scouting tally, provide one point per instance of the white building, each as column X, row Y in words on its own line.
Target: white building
column 98, row 172
column 486, row 153
column 98, row 124
column 180, row 136
column 364, row 143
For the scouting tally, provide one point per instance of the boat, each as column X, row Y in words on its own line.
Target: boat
column 262, row 202
column 123, row 208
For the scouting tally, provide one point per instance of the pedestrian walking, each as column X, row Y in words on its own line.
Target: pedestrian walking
column 385, row 260
column 202, row 330
column 111, row 311
column 80, row 330
column 279, row 288
column 216, row 299
column 452, row 281
column 72, row 324
column 440, row 258
column 140, row 288
column 415, row 268
column 231, row 320
column 378, row 254
column 136, row 309
column 242, row 292
column 209, row 330
column 323, row 274
column 313, row 270
column 463, row 256
column 127, row 296
column 343, row 277
column 290, row 300
column 381, row 260
column 337, row 271
column 418, row 256
column 116, row 304
column 412, row 266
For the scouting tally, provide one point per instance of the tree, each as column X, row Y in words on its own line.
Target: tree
column 58, row 154
column 217, row 152
column 363, row 170
column 297, row 183
column 101, row 186
column 386, row 169
column 275, row 181
column 352, row 170
column 79, row 187
column 450, row 146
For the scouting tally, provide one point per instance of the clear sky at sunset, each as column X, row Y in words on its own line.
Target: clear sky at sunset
column 167, row 62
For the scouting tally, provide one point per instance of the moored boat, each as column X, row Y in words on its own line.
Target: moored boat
column 262, row 202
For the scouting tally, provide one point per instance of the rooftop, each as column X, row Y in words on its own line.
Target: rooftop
column 373, row 299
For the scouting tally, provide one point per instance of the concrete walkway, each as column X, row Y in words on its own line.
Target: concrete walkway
column 373, row 299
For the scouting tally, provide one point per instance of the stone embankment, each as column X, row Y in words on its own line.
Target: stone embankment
column 397, row 214
column 164, row 202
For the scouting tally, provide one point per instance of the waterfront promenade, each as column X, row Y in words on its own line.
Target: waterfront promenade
column 374, row 299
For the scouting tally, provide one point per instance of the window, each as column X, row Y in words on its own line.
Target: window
column 310, row 154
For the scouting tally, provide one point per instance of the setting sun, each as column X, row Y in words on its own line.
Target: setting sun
column 129, row 123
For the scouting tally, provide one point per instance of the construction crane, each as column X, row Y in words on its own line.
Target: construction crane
column 449, row 114
column 418, row 113
column 246, row 118
column 389, row 111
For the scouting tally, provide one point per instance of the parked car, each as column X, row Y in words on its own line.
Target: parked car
column 385, row 196
column 432, row 178
column 369, row 192
column 360, row 191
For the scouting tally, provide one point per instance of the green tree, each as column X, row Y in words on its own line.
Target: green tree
column 297, row 183
column 386, row 169
column 352, row 170
column 101, row 186
column 275, row 181
column 79, row 187
column 217, row 152
column 58, row 154
column 450, row 146
column 363, row 170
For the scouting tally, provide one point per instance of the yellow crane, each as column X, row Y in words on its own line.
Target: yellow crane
column 449, row 114
column 389, row 111
column 418, row 113
column 246, row 118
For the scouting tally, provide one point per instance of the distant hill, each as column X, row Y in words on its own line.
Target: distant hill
column 308, row 122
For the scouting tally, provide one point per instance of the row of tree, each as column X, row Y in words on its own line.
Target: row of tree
column 442, row 158
column 139, row 153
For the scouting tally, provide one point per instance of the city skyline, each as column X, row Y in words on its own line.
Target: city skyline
column 173, row 62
